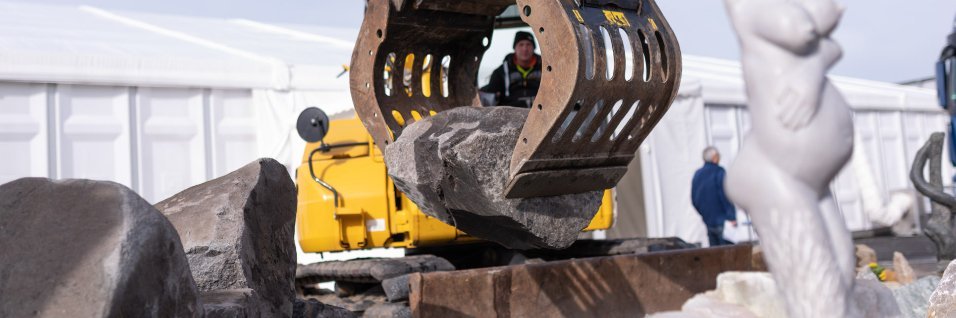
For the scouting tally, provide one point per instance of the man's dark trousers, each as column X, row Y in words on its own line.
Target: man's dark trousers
column 716, row 236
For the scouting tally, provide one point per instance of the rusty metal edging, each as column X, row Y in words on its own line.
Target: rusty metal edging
column 611, row 286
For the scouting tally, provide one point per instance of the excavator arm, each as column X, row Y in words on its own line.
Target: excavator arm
column 612, row 68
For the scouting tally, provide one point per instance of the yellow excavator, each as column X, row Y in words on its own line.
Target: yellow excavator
column 612, row 68
column 371, row 213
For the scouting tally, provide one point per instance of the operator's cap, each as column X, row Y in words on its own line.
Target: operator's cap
column 522, row 35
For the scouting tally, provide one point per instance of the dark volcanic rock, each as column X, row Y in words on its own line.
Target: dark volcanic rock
column 311, row 308
column 230, row 303
column 397, row 288
column 80, row 248
column 455, row 166
column 355, row 303
column 238, row 233
column 372, row 270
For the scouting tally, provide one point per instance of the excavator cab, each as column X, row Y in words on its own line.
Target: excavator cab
column 611, row 70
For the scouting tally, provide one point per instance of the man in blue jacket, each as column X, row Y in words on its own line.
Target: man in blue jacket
column 707, row 194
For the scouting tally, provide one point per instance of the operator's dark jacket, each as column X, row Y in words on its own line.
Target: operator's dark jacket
column 516, row 89
column 707, row 194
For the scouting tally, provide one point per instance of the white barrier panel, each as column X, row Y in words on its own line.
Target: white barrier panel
column 232, row 130
column 169, row 130
column 23, row 131
column 93, row 133
column 157, row 141
column 895, row 170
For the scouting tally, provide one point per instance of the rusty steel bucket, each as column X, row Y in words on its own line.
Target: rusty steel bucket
column 611, row 70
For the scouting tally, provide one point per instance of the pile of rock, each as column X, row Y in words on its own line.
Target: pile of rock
column 95, row 249
column 755, row 294
column 900, row 294
column 455, row 166
column 375, row 287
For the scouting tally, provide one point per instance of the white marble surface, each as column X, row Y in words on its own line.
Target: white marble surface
column 802, row 136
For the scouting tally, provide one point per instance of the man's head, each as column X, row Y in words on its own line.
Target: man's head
column 524, row 46
column 711, row 155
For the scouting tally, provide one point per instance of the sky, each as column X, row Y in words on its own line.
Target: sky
column 884, row 40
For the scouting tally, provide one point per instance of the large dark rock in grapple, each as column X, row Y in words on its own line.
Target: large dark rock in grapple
column 455, row 166
column 80, row 248
column 238, row 233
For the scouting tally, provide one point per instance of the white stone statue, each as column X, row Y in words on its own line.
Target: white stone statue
column 802, row 136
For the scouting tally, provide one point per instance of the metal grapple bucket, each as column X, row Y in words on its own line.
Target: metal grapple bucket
column 611, row 70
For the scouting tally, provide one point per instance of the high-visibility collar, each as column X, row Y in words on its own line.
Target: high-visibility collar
column 524, row 72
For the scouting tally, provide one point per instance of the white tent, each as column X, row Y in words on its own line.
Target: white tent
column 160, row 103
column 157, row 102
column 891, row 123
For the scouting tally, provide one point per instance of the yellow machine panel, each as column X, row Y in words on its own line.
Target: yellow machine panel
column 370, row 212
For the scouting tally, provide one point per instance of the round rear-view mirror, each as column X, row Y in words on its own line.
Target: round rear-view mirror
column 312, row 125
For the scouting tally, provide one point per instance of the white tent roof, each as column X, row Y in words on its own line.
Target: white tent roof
column 63, row 44
column 88, row 45
column 722, row 83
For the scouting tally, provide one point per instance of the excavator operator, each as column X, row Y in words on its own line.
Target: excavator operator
column 516, row 81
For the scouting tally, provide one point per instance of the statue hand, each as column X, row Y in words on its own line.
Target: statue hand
column 797, row 104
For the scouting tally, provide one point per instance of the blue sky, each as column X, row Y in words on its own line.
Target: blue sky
column 883, row 40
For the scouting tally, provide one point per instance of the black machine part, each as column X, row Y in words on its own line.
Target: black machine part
column 946, row 74
column 312, row 125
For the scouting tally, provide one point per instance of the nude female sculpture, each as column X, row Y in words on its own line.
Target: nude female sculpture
column 802, row 136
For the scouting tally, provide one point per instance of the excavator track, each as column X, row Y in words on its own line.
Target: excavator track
column 611, row 70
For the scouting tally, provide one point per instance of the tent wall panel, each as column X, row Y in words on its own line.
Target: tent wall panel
column 171, row 147
column 895, row 170
column 846, row 193
column 93, row 133
column 233, row 124
column 23, row 131
column 888, row 139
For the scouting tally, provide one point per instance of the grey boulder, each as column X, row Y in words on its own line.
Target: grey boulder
column 913, row 298
column 874, row 299
column 237, row 231
column 230, row 303
column 397, row 288
column 311, row 308
column 80, row 248
column 455, row 166
column 943, row 301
